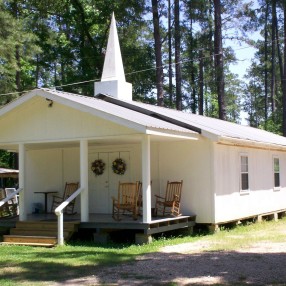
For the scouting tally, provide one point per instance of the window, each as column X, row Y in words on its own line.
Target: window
column 276, row 169
column 244, row 180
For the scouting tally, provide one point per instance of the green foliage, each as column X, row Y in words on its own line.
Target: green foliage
column 8, row 159
column 17, row 45
column 59, row 43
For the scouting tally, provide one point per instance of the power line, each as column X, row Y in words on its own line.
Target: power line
column 140, row 71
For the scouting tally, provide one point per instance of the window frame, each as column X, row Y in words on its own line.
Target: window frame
column 276, row 188
column 241, row 173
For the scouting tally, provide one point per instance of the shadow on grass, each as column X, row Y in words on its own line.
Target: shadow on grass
column 56, row 265
column 219, row 268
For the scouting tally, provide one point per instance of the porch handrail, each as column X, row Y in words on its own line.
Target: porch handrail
column 60, row 214
column 11, row 196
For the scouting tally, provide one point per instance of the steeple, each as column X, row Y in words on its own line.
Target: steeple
column 113, row 77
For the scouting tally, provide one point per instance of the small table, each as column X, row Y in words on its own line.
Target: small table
column 46, row 197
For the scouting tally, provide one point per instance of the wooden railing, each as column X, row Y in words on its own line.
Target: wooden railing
column 60, row 215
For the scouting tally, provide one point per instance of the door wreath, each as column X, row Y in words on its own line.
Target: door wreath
column 119, row 166
column 98, row 167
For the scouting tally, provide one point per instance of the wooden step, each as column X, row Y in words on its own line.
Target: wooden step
column 72, row 226
column 29, row 244
column 28, row 240
column 38, row 232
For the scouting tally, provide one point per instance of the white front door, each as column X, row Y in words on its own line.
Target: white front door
column 103, row 187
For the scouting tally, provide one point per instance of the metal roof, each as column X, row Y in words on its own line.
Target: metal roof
column 210, row 127
column 154, row 117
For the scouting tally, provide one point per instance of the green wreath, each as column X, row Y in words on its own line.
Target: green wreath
column 119, row 166
column 98, row 167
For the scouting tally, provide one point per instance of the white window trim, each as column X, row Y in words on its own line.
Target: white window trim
column 273, row 172
column 243, row 192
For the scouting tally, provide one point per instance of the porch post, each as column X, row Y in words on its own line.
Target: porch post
column 22, row 157
column 84, row 211
column 146, row 179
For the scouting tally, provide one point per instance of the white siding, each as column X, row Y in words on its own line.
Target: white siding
column 230, row 203
column 191, row 162
column 36, row 122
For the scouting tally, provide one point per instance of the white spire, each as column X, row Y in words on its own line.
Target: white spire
column 113, row 78
column 113, row 66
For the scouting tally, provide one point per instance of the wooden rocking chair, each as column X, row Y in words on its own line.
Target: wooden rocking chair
column 171, row 203
column 126, row 200
column 70, row 188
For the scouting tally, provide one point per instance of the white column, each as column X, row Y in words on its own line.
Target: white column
column 22, row 206
column 146, row 179
column 84, row 180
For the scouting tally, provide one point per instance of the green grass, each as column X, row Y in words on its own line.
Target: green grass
column 21, row 265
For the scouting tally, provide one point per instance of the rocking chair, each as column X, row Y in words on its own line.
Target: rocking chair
column 126, row 200
column 171, row 203
column 70, row 188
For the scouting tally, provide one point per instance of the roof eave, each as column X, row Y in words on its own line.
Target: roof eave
column 250, row 144
column 172, row 133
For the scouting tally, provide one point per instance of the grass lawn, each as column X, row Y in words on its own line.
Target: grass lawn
column 21, row 265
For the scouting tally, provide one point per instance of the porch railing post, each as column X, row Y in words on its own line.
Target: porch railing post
column 59, row 211
column 60, row 228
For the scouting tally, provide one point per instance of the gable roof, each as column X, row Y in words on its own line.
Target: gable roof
column 114, row 113
column 148, row 118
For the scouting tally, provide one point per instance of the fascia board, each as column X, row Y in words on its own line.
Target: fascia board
column 251, row 144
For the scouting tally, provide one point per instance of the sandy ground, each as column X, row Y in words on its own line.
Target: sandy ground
column 191, row 264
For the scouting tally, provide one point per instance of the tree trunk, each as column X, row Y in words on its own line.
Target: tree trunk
column 178, row 56
column 193, row 83
column 219, row 71
column 273, row 55
column 201, row 83
column 284, row 75
column 18, row 74
column 170, row 53
column 266, row 66
column 15, row 10
column 158, row 54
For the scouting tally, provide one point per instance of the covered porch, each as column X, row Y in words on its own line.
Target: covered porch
column 46, row 167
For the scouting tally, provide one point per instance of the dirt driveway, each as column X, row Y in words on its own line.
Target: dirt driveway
column 191, row 264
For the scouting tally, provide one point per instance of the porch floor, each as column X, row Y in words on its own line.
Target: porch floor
column 102, row 223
